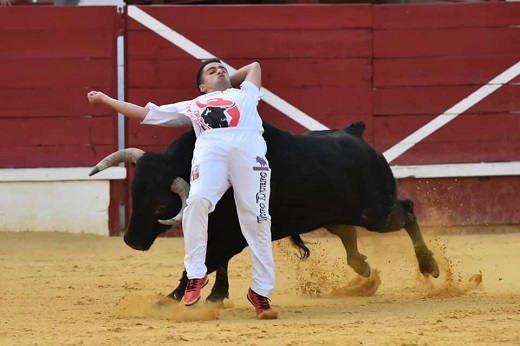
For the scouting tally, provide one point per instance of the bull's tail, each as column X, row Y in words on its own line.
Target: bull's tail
column 300, row 244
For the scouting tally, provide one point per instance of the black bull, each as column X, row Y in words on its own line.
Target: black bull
column 331, row 179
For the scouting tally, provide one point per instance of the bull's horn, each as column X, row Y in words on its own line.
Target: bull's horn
column 182, row 188
column 123, row 155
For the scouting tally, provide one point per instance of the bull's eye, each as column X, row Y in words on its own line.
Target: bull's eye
column 160, row 210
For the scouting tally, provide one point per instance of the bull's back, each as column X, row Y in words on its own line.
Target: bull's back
column 324, row 178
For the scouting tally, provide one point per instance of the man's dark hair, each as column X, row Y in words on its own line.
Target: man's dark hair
column 201, row 68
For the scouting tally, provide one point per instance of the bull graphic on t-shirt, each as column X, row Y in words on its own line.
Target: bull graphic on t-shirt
column 215, row 117
column 216, row 113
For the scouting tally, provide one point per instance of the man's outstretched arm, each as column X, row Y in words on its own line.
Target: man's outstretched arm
column 128, row 109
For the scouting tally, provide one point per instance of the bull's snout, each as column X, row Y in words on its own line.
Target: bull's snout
column 135, row 245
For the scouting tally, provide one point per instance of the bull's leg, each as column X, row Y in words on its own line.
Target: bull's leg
column 348, row 236
column 219, row 291
column 178, row 292
column 403, row 215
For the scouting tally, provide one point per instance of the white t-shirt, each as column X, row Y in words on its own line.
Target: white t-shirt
column 219, row 109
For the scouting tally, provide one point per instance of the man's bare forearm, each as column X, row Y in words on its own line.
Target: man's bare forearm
column 128, row 109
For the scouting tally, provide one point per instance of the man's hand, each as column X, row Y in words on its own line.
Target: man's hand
column 95, row 97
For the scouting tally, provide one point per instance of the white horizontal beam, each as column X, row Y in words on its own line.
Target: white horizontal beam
column 60, row 174
column 484, row 169
column 461, row 170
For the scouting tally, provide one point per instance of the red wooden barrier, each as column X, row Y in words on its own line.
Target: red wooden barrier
column 427, row 58
column 51, row 57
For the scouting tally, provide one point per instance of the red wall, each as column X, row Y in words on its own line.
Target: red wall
column 50, row 58
column 429, row 57
column 319, row 58
column 396, row 67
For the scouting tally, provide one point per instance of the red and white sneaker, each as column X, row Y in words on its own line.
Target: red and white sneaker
column 192, row 293
column 261, row 304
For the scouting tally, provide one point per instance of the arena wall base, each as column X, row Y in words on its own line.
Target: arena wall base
column 464, row 194
column 68, row 200
column 56, row 199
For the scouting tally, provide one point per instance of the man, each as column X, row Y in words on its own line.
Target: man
column 229, row 151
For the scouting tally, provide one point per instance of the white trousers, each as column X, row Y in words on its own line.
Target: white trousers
column 223, row 158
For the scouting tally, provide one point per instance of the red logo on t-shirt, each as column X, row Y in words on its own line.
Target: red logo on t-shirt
column 226, row 105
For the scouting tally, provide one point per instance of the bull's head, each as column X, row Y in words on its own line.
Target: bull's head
column 158, row 194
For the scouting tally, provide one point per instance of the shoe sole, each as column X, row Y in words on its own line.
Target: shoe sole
column 198, row 298
column 268, row 315
column 193, row 302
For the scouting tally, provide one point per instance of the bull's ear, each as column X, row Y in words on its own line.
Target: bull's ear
column 356, row 129
column 181, row 188
column 124, row 155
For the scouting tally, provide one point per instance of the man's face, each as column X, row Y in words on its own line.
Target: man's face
column 215, row 77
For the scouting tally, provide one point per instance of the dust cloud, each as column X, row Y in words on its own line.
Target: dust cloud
column 159, row 307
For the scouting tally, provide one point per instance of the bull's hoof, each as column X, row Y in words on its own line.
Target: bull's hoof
column 428, row 266
column 359, row 265
column 176, row 295
column 217, row 297
column 433, row 270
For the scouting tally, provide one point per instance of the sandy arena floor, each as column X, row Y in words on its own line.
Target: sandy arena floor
column 76, row 289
